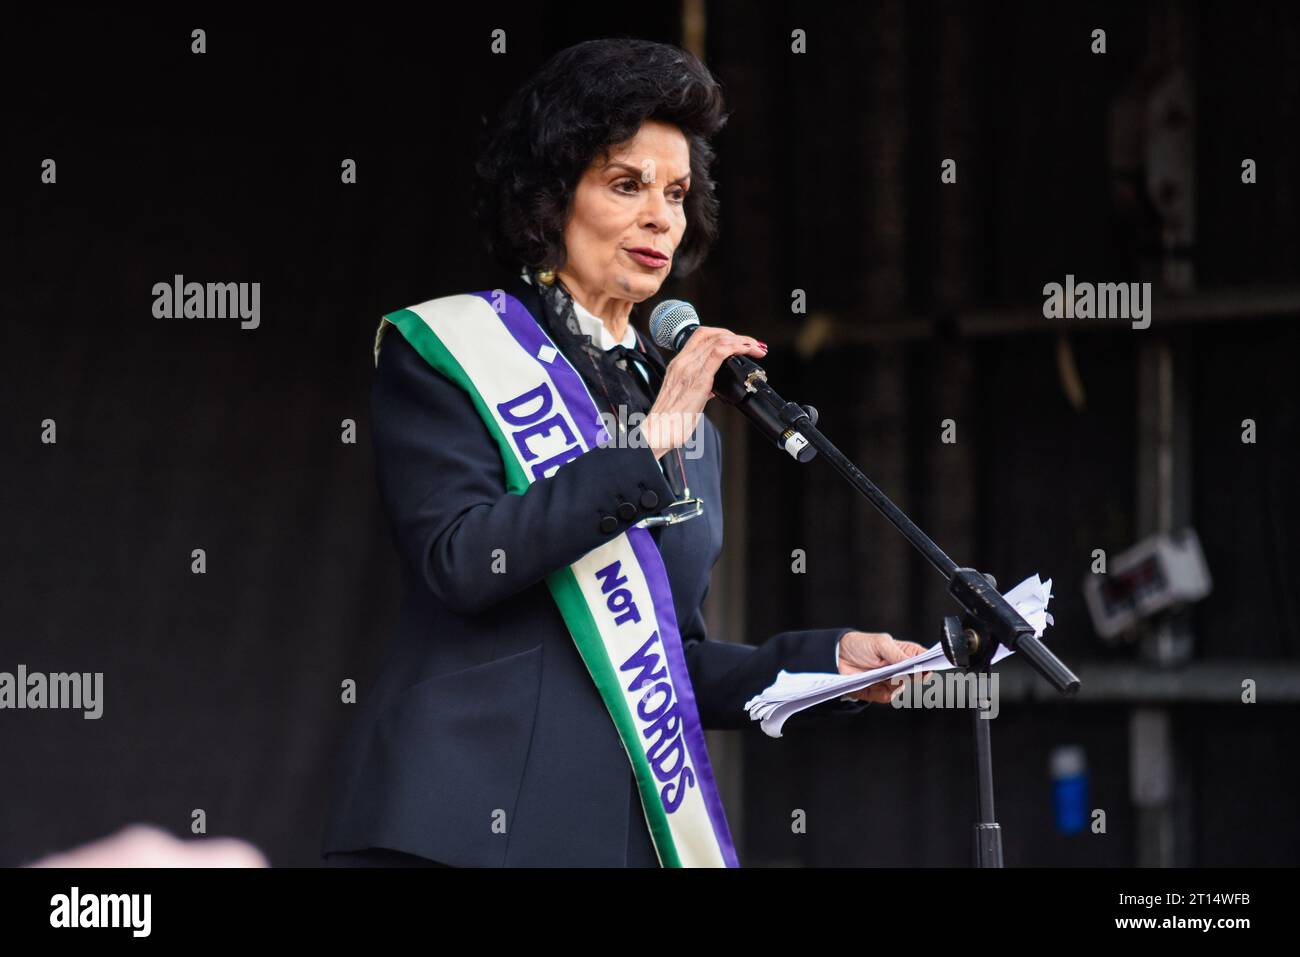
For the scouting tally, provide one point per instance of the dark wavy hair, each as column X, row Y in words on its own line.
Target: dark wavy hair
column 584, row 100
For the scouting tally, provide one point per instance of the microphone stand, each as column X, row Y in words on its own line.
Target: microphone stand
column 969, row 641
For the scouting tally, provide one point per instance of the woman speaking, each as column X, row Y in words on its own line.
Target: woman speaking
column 554, row 493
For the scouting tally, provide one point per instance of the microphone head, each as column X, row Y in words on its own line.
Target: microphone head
column 669, row 319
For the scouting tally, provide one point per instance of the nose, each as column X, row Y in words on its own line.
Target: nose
column 654, row 214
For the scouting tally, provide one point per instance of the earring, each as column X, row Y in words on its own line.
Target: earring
column 546, row 277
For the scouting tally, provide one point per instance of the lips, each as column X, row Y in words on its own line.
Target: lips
column 647, row 256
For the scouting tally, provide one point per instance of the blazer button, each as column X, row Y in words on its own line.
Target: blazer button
column 649, row 499
column 608, row 523
column 626, row 511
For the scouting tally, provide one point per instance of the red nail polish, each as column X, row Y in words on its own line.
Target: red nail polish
column 764, row 345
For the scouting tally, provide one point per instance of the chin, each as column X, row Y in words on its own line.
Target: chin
column 641, row 287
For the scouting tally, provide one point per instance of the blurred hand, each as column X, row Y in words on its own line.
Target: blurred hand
column 143, row 845
column 688, row 385
column 864, row 650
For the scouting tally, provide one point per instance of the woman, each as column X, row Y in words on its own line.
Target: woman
column 542, row 700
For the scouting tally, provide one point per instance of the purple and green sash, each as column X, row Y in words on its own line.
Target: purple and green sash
column 615, row 600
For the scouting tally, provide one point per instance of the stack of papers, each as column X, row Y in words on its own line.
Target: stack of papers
column 793, row 692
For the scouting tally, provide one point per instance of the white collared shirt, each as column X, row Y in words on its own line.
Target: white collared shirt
column 594, row 326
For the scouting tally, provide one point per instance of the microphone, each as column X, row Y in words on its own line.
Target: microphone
column 740, row 381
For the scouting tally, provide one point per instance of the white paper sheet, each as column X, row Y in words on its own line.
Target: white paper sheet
column 793, row 692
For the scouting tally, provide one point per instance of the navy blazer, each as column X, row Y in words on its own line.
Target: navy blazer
column 484, row 741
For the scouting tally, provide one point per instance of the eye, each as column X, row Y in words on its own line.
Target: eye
column 630, row 186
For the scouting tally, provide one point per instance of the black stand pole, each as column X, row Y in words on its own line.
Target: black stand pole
column 988, row 833
column 969, row 641
column 959, row 645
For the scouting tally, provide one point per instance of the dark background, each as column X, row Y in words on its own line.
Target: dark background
column 222, row 690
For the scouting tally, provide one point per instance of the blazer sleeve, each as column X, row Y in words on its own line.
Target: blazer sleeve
column 725, row 674
column 443, row 485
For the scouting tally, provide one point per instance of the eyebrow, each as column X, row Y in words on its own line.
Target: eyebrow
column 637, row 172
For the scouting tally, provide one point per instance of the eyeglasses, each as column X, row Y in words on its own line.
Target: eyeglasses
column 683, row 510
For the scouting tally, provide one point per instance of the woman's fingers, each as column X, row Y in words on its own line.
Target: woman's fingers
column 688, row 380
column 719, row 344
column 718, row 351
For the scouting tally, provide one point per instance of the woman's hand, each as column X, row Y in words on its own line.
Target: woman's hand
column 864, row 650
column 688, row 385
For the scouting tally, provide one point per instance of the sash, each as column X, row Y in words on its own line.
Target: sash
column 615, row 600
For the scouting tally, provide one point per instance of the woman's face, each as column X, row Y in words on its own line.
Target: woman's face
column 633, row 199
